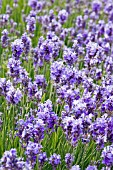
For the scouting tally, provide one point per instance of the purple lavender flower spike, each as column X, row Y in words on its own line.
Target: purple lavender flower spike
column 107, row 155
column 91, row 168
column 32, row 151
column 5, row 38
column 69, row 160
column 42, row 158
column 75, row 167
column 55, row 160
column 17, row 48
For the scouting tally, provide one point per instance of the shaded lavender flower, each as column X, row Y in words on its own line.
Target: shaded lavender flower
column 17, row 48
column 27, row 43
column 75, row 167
column 90, row 167
column 32, row 151
column 13, row 96
column 107, row 156
column 55, row 160
column 42, row 158
column 5, row 38
column 69, row 160
column 62, row 16
column 11, row 161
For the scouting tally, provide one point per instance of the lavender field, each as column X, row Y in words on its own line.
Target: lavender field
column 56, row 84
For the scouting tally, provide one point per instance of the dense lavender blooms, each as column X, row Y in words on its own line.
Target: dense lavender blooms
column 56, row 85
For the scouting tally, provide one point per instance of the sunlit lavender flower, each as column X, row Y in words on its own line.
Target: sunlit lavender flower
column 96, row 6
column 45, row 113
column 62, row 16
column 5, row 38
column 98, row 130
column 30, row 129
column 17, row 48
column 46, row 50
column 31, row 25
column 107, row 156
column 69, row 160
column 14, row 69
column 32, row 151
column 4, row 19
column 91, row 168
column 13, row 96
column 75, row 167
column 11, row 161
column 42, row 158
column 55, row 160
column 27, row 43
column 69, row 56
column 57, row 69
column 40, row 81
column 15, row 4
column 33, row 4
column 4, row 86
